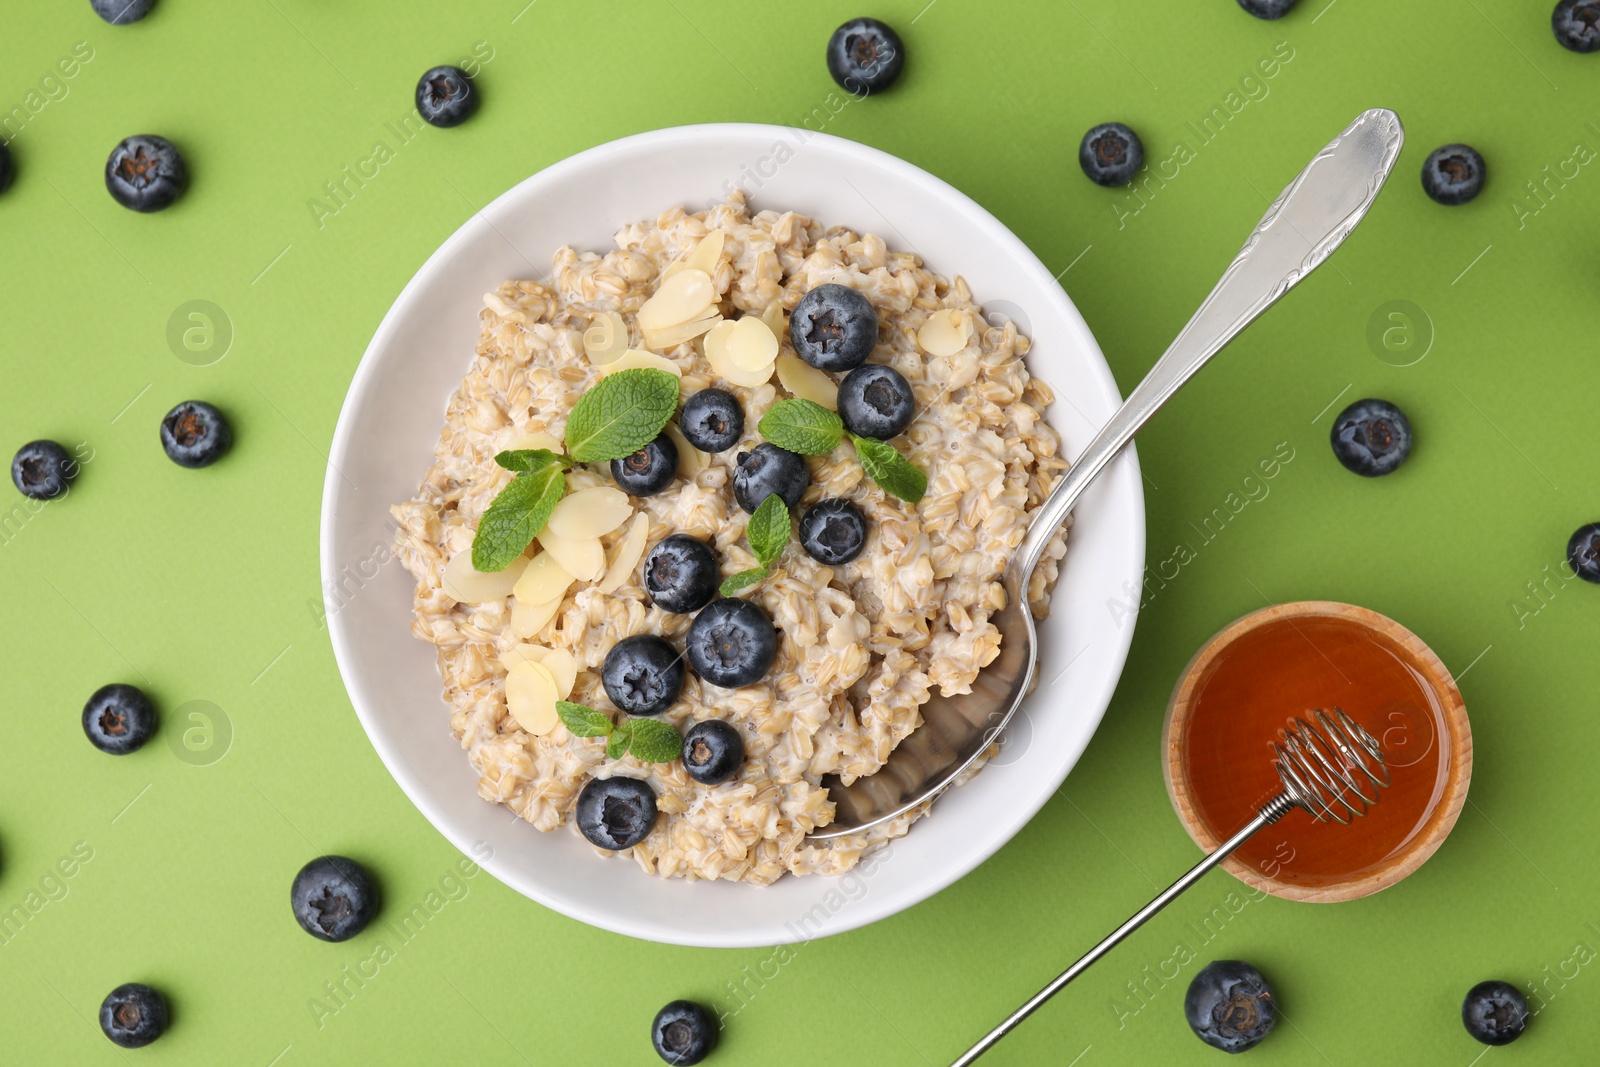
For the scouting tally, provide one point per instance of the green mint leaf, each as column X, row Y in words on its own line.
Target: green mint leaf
column 530, row 459
column 583, row 721
column 885, row 465
column 802, row 426
column 655, row 741
column 743, row 580
column 617, row 744
column 516, row 516
column 621, row 414
column 768, row 529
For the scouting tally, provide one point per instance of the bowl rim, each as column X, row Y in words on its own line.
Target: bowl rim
column 1007, row 824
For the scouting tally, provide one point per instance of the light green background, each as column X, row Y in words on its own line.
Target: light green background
column 201, row 585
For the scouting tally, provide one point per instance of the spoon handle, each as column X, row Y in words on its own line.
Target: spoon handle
column 1303, row 226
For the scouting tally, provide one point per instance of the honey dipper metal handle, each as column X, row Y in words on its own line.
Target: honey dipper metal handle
column 1325, row 768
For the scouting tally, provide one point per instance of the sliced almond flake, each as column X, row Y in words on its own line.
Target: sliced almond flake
column 684, row 297
column 606, row 339
column 722, row 362
column 945, row 332
column 635, row 358
column 774, row 319
column 703, row 256
column 543, row 580
column 691, row 461
column 563, row 667
column 531, row 697
column 629, row 551
column 463, row 583
column 807, row 382
column 751, row 345
column 671, row 336
column 528, row 620
column 590, row 513
column 584, row 559
column 521, row 653
column 533, row 441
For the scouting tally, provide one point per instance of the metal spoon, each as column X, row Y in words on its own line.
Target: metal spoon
column 1303, row 226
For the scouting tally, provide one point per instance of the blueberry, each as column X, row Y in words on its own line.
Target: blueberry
column 768, row 469
column 1583, row 552
column 1577, row 24
column 876, row 401
column 1371, row 437
column 133, row 1015
column 1453, row 174
column 122, row 12
column 712, row 420
column 649, row 470
column 1267, row 9
column 684, row 1033
column 616, row 813
column 43, row 470
column 643, row 675
column 145, row 172
column 712, row 752
column 334, row 898
column 195, row 434
column 681, row 574
column 1230, row 1006
column 446, row 96
column 118, row 719
column 833, row 532
column 865, row 56
column 1111, row 154
column 833, row 327
column 1495, row 1012
column 731, row 643
column 8, row 169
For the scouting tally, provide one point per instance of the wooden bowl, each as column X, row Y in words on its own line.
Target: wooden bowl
column 1249, row 679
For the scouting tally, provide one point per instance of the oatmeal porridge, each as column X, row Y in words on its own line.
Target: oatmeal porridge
column 556, row 663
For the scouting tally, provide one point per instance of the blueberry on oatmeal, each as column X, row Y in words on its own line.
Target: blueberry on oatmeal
column 681, row 574
column 731, row 643
column 712, row 420
column 712, row 752
column 649, row 470
column 768, row 469
column 642, row 674
column 876, row 401
column 833, row 532
column 833, row 328
column 615, row 813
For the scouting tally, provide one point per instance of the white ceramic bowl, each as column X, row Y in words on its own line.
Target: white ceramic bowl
column 391, row 421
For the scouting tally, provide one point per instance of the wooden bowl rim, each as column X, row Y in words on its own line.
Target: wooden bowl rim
column 1445, row 813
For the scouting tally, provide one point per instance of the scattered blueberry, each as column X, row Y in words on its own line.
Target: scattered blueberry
column 649, row 470
column 712, row 420
column 122, row 12
column 1267, row 9
column 731, row 643
column 681, row 574
column 1495, row 1012
column 1577, row 24
column 768, row 469
column 616, row 813
column 876, row 401
column 684, row 1033
column 1230, row 1006
column 446, row 96
column 43, row 470
column 1583, row 552
column 865, row 56
column 833, row 327
column 1111, row 154
column 1371, row 437
column 195, row 434
column 118, row 719
column 712, row 752
column 643, row 675
column 133, row 1015
column 833, row 532
column 1453, row 174
column 334, row 898
column 8, row 169
column 145, row 172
